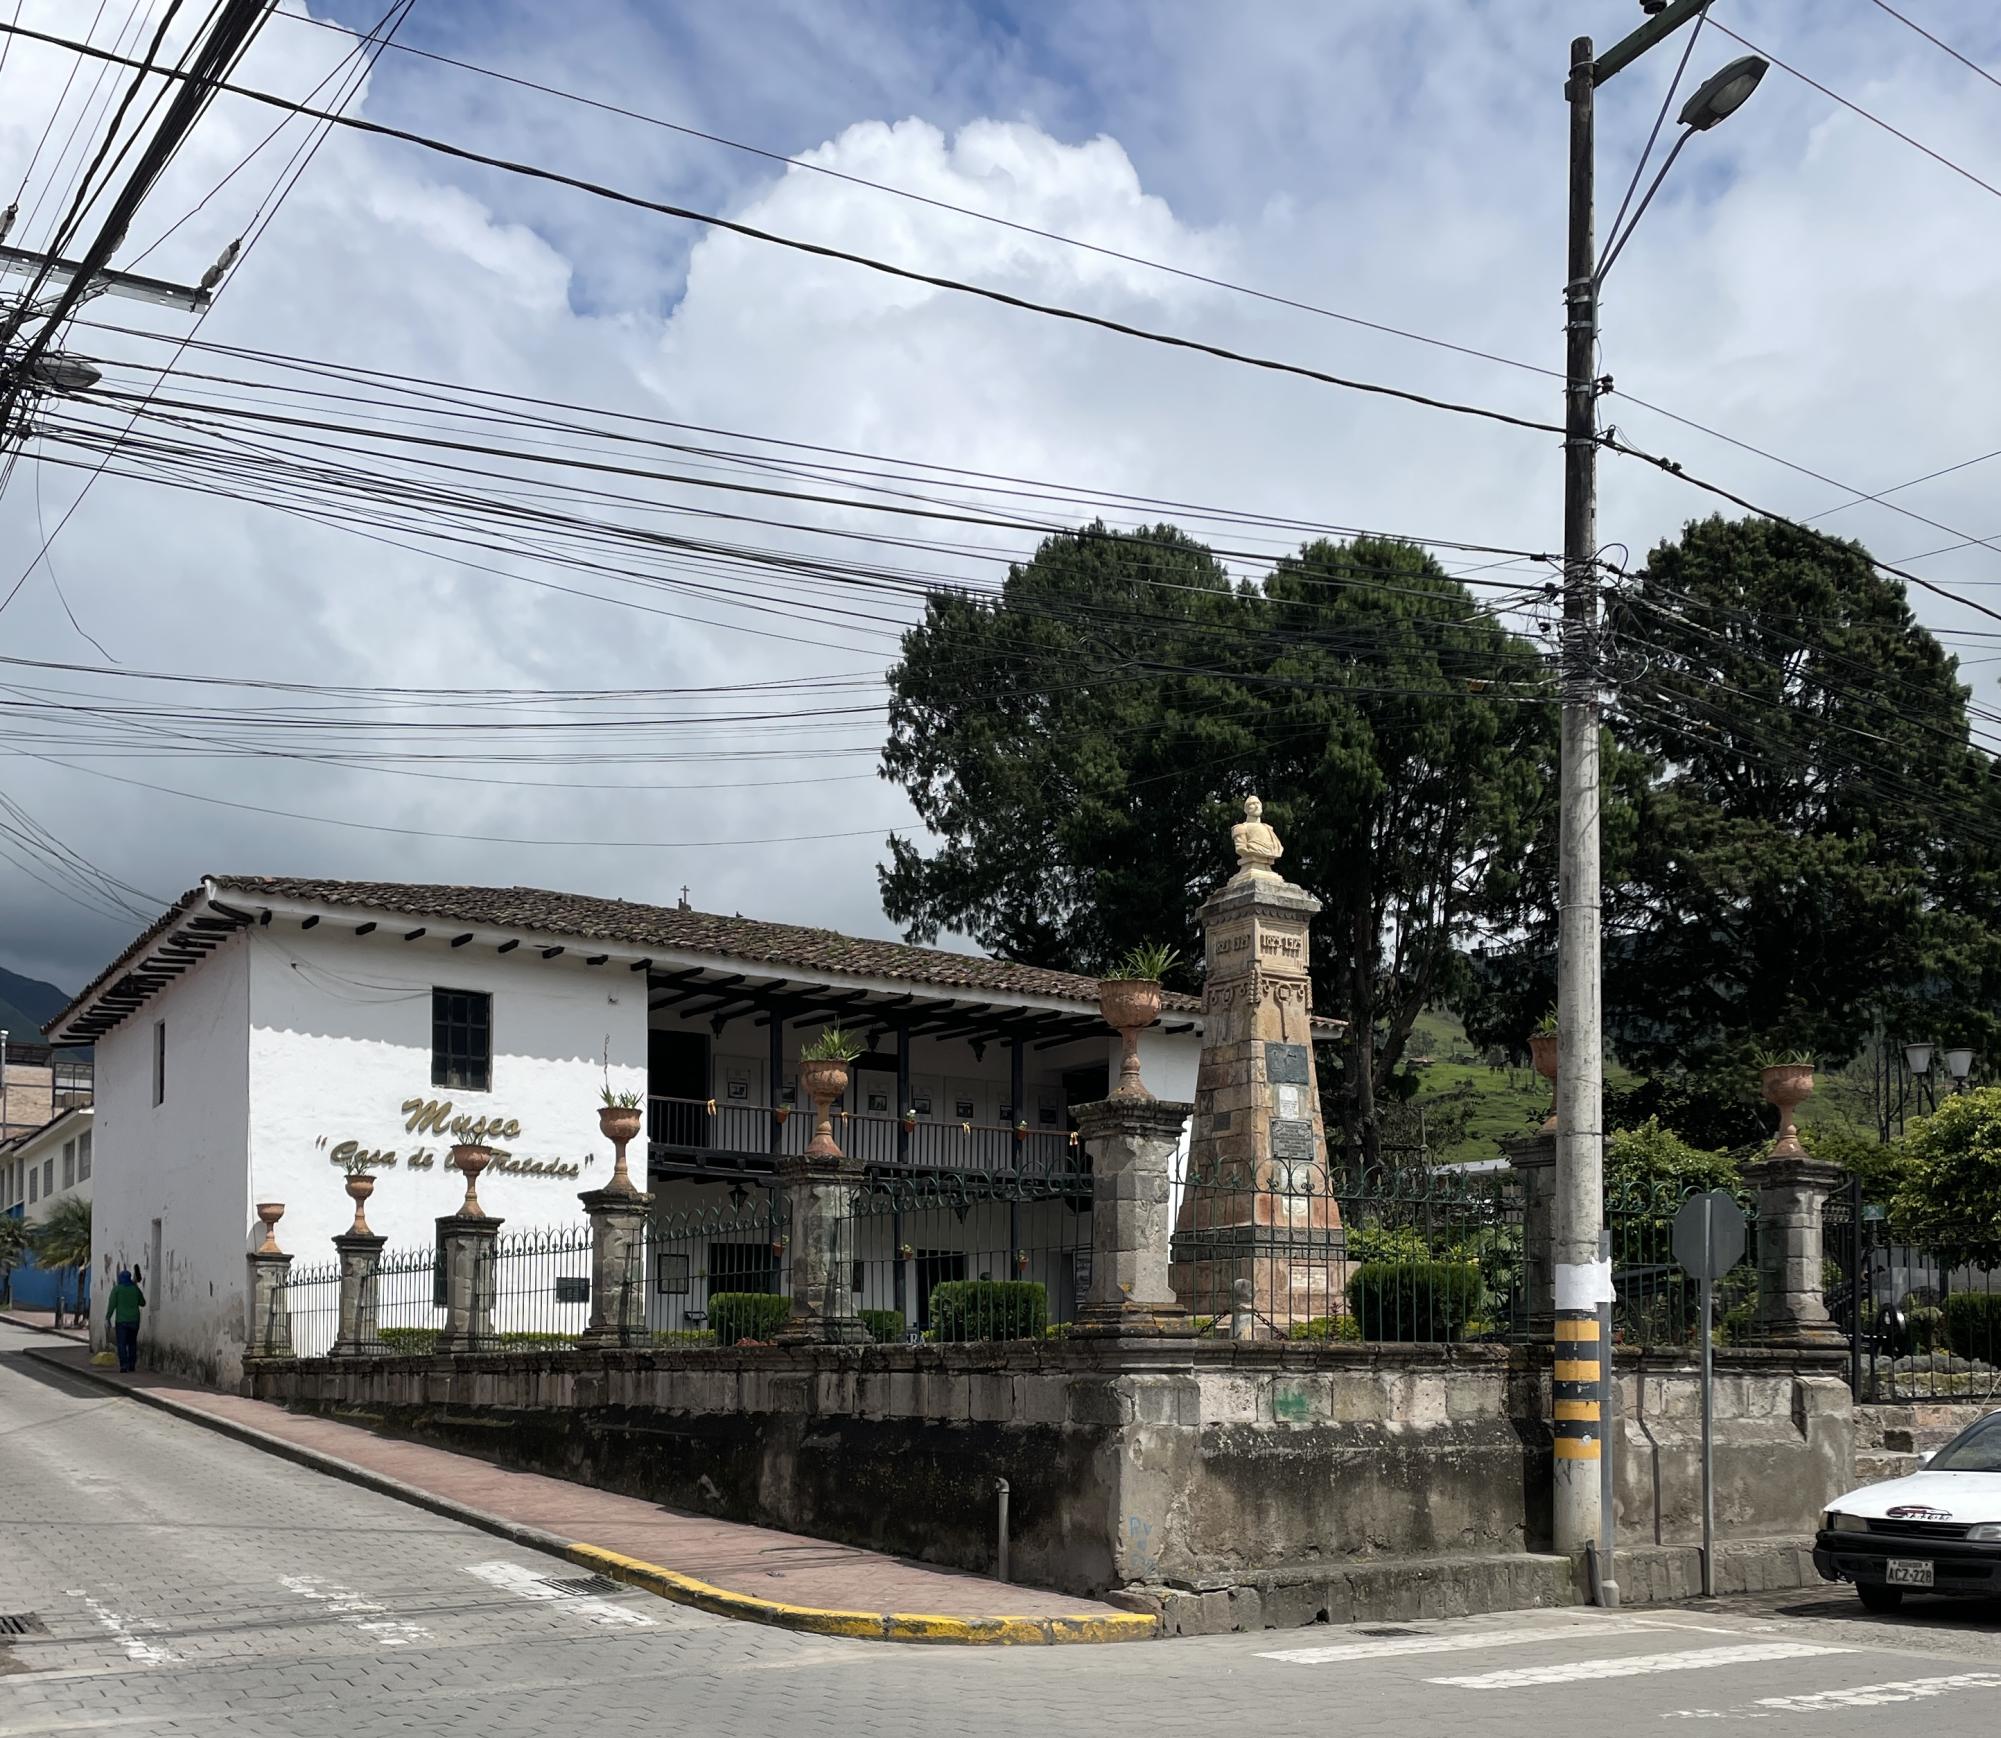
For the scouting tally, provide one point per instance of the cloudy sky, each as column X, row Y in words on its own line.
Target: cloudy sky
column 1805, row 283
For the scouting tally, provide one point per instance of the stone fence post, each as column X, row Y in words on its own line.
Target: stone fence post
column 1533, row 1159
column 1131, row 1142
column 1792, row 1306
column 360, row 1255
column 819, row 1198
column 618, row 1279
column 270, row 1325
column 465, row 1245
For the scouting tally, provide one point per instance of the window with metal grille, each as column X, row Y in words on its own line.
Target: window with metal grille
column 462, row 1040
column 83, row 1157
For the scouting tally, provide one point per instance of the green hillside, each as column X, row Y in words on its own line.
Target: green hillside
column 1497, row 1102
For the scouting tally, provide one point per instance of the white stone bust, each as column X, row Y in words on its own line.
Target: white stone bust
column 1257, row 846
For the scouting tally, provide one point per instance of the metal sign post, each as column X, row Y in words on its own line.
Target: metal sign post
column 1708, row 1242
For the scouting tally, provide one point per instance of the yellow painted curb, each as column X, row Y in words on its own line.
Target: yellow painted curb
column 864, row 1625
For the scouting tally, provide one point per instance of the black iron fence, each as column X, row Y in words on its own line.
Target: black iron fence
column 695, row 1264
column 980, row 1256
column 1282, row 1249
column 308, row 1299
column 1924, row 1324
column 1656, row 1304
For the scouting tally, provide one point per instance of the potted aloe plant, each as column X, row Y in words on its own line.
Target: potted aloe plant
column 823, row 1073
column 1786, row 1080
column 1130, row 1001
column 360, row 1185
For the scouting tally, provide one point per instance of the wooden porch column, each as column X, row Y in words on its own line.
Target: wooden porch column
column 902, row 1094
column 774, row 1085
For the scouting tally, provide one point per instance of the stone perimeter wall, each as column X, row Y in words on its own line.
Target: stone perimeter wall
column 1132, row 1466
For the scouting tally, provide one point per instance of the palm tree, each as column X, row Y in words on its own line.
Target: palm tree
column 13, row 1251
column 61, row 1241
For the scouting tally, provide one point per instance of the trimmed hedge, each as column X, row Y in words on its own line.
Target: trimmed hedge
column 1414, row 1300
column 989, row 1309
column 747, row 1315
column 885, row 1327
column 409, row 1342
column 422, row 1342
column 1973, row 1325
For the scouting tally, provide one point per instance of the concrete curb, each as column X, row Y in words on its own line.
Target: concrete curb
column 663, row 1583
column 26, row 1326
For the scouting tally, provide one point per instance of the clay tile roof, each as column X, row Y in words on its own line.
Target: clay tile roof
column 624, row 923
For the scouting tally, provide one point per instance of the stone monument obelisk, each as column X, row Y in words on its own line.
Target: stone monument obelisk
column 1257, row 1209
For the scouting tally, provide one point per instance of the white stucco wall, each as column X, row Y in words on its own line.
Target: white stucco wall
column 183, row 1163
column 340, row 1041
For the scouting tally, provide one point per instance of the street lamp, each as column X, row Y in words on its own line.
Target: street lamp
column 1582, row 1507
column 1918, row 1059
column 1723, row 92
column 1959, row 1064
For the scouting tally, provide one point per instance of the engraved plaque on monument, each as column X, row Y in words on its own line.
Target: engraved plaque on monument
column 1256, row 1204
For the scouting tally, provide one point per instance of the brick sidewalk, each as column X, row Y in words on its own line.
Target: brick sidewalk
column 43, row 1322
column 754, row 1562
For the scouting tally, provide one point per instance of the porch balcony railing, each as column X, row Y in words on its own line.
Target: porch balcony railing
column 732, row 1127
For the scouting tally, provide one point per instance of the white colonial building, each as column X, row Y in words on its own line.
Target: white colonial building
column 265, row 1030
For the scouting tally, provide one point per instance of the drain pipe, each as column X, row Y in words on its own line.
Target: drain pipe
column 1000, row 1570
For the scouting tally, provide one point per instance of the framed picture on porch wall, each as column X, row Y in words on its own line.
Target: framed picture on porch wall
column 878, row 1103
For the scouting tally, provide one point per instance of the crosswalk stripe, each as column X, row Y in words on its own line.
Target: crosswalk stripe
column 1638, row 1665
column 1468, row 1642
column 1871, row 1695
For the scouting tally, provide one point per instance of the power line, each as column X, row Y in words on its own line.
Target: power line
column 1909, row 24
column 1856, row 108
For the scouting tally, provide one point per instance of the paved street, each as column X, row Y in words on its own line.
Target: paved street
column 191, row 1584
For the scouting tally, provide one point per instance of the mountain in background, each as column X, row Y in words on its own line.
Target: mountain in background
column 26, row 1003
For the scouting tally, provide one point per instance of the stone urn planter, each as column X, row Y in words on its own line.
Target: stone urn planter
column 1542, row 1056
column 270, row 1212
column 1129, row 1006
column 359, row 1187
column 824, row 1080
column 471, row 1159
column 1787, row 1085
column 619, row 1124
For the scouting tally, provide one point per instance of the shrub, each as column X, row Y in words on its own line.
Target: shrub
column 1973, row 1325
column 410, row 1342
column 1326, row 1328
column 989, row 1309
column 1949, row 1200
column 1650, row 1156
column 1376, row 1242
column 683, row 1337
column 885, row 1327
column 1413, row 1300
column 746, row 1315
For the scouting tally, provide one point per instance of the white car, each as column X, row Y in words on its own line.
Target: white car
column 1937, row 1531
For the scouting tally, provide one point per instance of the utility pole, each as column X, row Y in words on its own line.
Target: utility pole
column 1582, row 1279
column 1583, row 1267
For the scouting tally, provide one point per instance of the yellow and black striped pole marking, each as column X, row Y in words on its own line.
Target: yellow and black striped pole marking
column 1577, row 1386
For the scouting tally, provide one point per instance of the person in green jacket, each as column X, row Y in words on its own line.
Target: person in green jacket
column 122, row 1309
